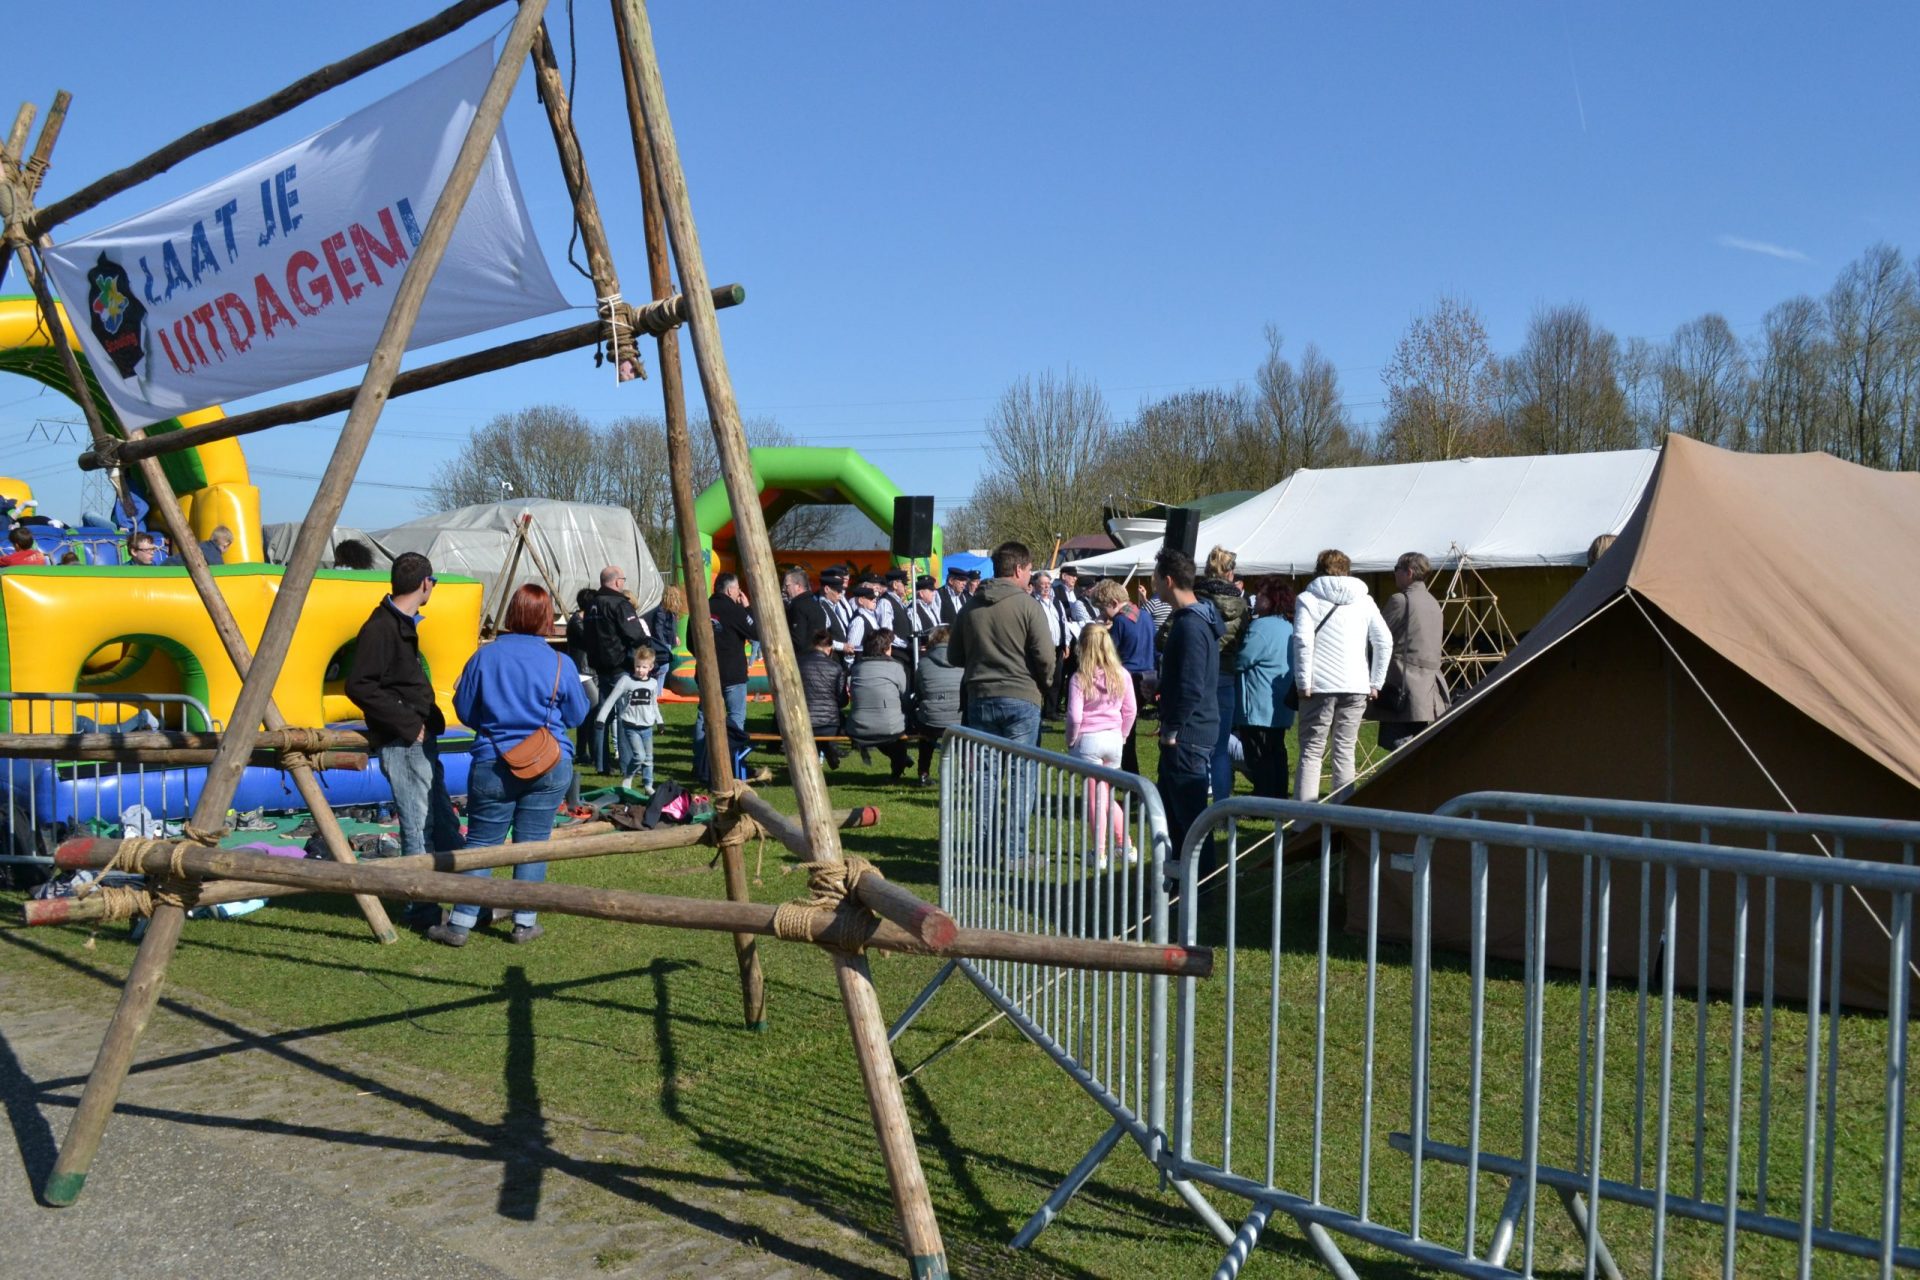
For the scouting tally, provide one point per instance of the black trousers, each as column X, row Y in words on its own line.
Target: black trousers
column 1129, row 752
column 1265, row 747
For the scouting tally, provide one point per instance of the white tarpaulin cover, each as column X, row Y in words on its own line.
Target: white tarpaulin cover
column 286, row 270
column 1499, row 513
column 575, row 541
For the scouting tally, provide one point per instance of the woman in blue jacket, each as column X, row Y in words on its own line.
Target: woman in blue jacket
column 510, row 690
column 1266, row 669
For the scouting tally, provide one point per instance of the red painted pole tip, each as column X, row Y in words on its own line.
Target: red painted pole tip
column 73, row 854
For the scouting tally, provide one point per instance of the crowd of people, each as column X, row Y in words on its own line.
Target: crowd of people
column 888, row 662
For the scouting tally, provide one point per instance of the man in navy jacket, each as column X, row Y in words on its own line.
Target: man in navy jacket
column 1189, row 698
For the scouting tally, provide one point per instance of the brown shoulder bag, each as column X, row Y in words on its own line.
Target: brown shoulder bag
column 541, row 750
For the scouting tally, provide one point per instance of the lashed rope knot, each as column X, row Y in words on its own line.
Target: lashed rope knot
column 172, row 888
column 824, row 915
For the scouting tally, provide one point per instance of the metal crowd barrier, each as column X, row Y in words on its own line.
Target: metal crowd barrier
column 1430, row 972
column 1018, row 835
column 46, row 799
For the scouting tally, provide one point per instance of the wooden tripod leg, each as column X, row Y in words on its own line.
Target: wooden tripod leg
column 235, row 643
column 926, row 1254
column 693, row 568
column 137, row 1000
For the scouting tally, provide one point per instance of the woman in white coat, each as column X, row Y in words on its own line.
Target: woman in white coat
column 1341, row 647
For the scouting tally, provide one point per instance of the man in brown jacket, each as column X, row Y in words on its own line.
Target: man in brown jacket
column 1415, row 694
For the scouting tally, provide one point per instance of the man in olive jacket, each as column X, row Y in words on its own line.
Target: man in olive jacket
column 1003, row 645
column 1004, row 649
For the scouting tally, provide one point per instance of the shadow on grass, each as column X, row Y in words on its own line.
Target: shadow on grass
column 520, row 1143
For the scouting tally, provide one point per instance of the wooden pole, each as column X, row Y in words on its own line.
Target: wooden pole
column 228, row 126
column 586, row 210
column 417, row 884
column 652, row 317
column 35, row 167
column 489, row 621
column 883, row 897
column 565, row 844
column 77, row 746
column 130, row 1018
column 693, row 565
column 926, row 1254
column 110, row 1069
column 186, row 757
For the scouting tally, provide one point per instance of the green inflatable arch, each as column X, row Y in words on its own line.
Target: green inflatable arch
column 792, row 477
column 787, row 478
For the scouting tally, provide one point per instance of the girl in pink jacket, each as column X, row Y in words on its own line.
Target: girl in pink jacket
column 1100, row 714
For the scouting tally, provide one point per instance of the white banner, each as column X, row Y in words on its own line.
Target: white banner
column 286, row 270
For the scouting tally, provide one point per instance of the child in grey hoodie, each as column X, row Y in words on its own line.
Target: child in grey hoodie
column 636, row 694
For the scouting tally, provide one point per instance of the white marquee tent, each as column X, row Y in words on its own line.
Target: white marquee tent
column 1495, row 513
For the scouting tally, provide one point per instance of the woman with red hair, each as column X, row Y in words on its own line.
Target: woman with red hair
column 519, row 695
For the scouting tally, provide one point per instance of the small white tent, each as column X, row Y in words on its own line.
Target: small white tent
column 1494, row 513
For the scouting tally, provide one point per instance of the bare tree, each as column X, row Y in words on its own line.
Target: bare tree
column 1871, row 315
column 1441, row 387
column 545, row 451
column 1792, row 399
column 1563, row 386
column 550, row 451
column 1298, row 419
column 1183, row 446
column 1048, row 437
column 1705, row 377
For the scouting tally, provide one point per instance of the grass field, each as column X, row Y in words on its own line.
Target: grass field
column 639, row 1030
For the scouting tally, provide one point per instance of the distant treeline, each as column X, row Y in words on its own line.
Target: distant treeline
column 1839, row 373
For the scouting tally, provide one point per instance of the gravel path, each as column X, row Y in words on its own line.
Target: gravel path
column 246, row 1151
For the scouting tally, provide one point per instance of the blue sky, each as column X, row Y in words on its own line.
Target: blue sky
column 927, row 202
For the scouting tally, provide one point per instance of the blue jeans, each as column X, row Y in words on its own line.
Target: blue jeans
column 735, row 696
column 636, row 752
column 420, row 796
column 1183, row 792
column 1017, row 721
column 1221, row 770
column 498, row 802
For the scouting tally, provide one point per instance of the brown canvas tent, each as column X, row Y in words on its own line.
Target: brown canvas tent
column 1751, row 640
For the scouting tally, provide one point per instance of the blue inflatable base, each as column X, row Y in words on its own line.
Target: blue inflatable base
column 45, row 792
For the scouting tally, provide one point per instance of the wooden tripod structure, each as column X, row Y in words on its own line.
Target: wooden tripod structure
column 1478, row 637
column 669, row 230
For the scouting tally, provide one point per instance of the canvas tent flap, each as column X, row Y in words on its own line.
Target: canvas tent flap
column 575, row 540
column 1799, row 569
column 1499, row 513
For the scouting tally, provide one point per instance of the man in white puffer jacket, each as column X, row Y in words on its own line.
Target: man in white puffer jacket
column 1335, row 623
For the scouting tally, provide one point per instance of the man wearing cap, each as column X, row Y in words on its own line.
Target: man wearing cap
column 924, row 612
column 389, row 684
column 833, row 600
column 865, row 619
column 892, row 609
column 953, row 597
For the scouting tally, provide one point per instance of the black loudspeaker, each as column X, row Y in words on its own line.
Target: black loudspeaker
column 1183, row 530
column 912, row 527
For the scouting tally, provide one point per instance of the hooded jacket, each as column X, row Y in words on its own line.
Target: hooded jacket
column 936, row 690
column 1190, row 679
column 1335, row 623
column 1003, row 643
column 1227, row 601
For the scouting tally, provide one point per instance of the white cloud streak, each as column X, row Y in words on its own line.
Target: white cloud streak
column 1764, row 248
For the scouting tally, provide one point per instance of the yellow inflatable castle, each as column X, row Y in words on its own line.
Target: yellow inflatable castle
column 118, row 628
